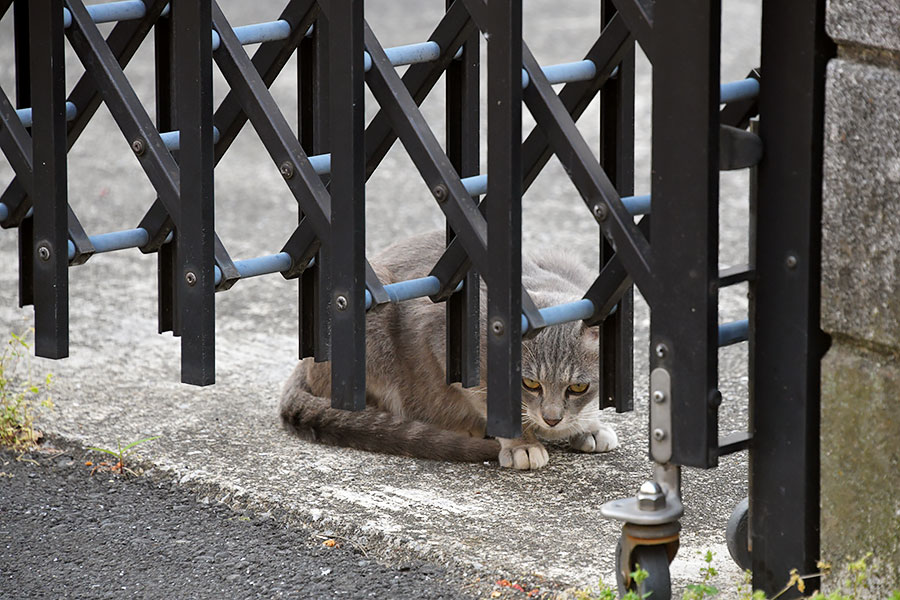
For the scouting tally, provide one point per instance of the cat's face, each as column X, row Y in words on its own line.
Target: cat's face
column 560, row 381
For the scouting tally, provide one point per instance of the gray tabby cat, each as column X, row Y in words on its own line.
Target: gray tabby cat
column 410, row 409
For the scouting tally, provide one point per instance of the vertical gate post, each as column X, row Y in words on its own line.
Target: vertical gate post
column 168, row 316
column 49, row 251
column 312, row 96
column 348, row 215
column 195, row 260
column 23, row 100
column 463, row 128
column 684, row 230
column 504, row 219
column 617, row 160
column 784, row 457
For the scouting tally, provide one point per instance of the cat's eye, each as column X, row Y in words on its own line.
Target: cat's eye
column 578, row 388
column 531, row 384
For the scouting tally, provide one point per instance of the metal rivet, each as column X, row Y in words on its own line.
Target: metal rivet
column 791, row 261
column 44, row 252
column 440, row 192
column 659, row 435
column 659, row 396
column 137, row 146
column 190, row 278
column 286, row 169
column 497, row 327
column 341, row 302
column 661, row 350
column 601, row 212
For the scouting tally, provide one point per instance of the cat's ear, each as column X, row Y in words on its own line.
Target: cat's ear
column 591, row 334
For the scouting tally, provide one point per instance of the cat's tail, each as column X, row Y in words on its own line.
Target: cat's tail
column 311, row 418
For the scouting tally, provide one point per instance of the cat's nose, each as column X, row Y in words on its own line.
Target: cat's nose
column 551, row 422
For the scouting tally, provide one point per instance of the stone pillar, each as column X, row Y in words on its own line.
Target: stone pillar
column 861, row 288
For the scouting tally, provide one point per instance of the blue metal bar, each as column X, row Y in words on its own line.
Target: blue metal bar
column 4, row 211
column 321, row 163
column 172, row 139
column 564, row 313
column 475, row 185
column 261, row 265
column 744, row 89
column 25, row 114
column 581, row 70
column 637, row 205
column 110, row 11
column 257, row 33
column 115, row 240
column 734, row 332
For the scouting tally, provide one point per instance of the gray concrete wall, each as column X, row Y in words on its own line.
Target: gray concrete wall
column 861, row 288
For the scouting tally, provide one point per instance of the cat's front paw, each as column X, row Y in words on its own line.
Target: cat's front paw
column 522, row 454
column 602, row 440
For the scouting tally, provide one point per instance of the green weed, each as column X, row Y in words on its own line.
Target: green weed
column 120, row 454
column 21, row 398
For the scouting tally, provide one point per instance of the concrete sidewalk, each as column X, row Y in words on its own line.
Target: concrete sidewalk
column 224, row 442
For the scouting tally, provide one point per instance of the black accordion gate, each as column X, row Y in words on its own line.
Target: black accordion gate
column 770, row 122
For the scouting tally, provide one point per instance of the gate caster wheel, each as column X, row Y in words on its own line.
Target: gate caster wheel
column 654, row 560
column 737, row 534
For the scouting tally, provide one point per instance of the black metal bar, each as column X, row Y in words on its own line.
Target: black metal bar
column 592, row 183
column 194, row 259
column 347, row 259
column 50, row 251
column 736, row 274
column 462, row 132
column 617, row 160
column 734, row 442
column 504, row 220
column 307, row 96
column 168, row 314
column 15, row 193
column 638, row 14
column 784, row 458
column 683, row 329
column 16, row 145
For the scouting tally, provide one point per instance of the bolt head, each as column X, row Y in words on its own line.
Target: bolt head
column 659, row 435
column 43, row 252
column 286, row 169
column 661, row 350
column 440, row 192
column 651, row 496
column 190, row 278
column 341, row 303
column 659, row 396
column 137, row 146
column 497, row 327
column 791, row 261
column 601, row 212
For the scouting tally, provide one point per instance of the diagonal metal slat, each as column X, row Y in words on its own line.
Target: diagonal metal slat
column 274, row 131
column 426, row 153
column 638, row 15
column 592, row 183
